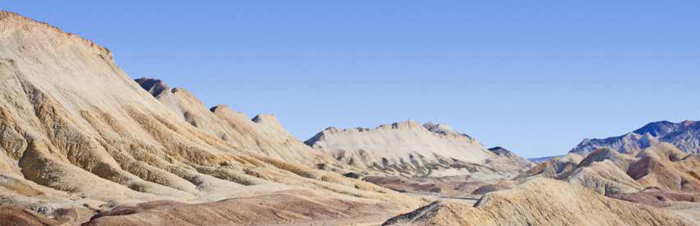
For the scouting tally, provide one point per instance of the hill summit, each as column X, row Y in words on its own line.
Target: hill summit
column 411, row 149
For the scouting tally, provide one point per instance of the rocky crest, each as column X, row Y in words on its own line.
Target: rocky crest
column 263, row 133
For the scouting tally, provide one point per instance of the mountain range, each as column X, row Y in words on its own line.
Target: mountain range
column 684, row 135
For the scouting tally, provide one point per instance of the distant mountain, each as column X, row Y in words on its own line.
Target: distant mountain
column 543, row 159
column 684, row 135
column 409, row 148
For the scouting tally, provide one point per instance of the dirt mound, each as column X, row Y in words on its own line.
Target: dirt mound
column 541, row 202
column 503, row 185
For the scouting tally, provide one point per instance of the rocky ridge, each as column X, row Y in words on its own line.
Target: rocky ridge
column 684, row 135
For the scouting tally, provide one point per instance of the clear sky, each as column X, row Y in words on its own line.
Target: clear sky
column 533, row 76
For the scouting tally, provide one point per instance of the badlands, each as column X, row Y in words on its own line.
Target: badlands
column 82, row 143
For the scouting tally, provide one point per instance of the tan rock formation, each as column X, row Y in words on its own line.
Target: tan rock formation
column 665, row 167
column 660, row 166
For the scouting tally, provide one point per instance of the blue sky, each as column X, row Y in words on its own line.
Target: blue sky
column 533, row 76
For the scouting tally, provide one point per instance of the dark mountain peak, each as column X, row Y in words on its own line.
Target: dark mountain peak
column 153, row 86
column 660, row 128
column 498, row 150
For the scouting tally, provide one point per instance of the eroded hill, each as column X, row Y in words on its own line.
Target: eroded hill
column 410, row 149
column 541, row 202
column 77, row 134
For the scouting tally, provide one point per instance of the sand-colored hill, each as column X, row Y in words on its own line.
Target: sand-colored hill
column 623, row 161
column 554, row 166
column 660, row 166
column 511, row 160
column 430, row 159
column 665, row 167
column 410, row 149
column 76, row 133
column 660, row 175
column 604, row 178
column 541, row 202
column 263, row 134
